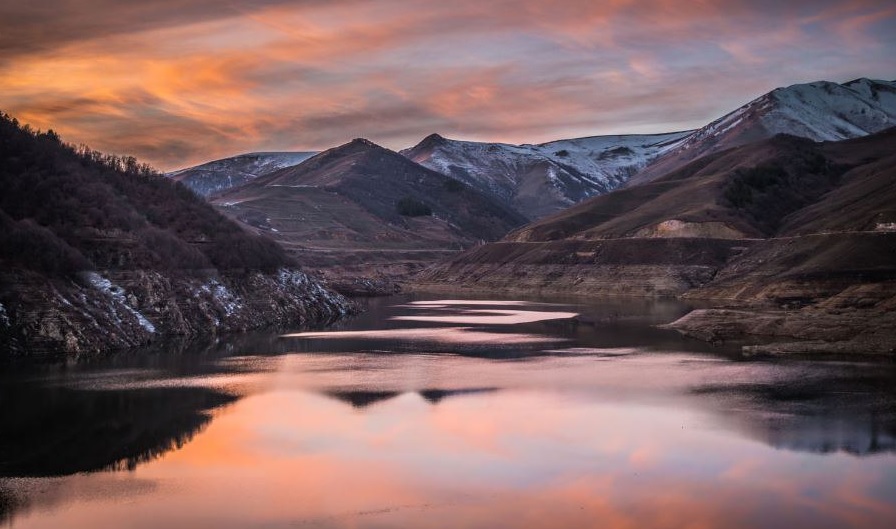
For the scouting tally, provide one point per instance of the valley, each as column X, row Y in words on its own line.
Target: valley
column 781, row 209
column 291, row 264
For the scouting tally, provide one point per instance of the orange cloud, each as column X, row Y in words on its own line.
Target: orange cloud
column 178, row 83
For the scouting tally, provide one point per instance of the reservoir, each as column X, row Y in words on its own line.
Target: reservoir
column 434, row 411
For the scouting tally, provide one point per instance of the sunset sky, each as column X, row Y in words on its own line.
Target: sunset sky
column 178, row 82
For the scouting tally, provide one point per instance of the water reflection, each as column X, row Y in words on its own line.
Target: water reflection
column 435, row 396
column 600, row 421
column 487, row 317
column 828, row 415
column 58, row 431
column 437, row 335
column 361, row 399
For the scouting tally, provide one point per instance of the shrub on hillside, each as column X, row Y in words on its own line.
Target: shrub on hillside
column 243, row 251
column 768, row 193
column 453, row 186
column 411, row 207
column 25, row 243
column 120, row 212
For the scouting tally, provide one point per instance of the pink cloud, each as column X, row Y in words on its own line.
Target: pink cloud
column 180, row 86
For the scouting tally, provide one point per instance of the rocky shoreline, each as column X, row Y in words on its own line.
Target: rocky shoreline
column 760, row 298
column 783, row 332
column 108, row 310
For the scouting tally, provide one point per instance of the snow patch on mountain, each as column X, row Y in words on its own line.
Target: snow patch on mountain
column 219, row 175
column 119, row 300
column 820, row 111
column 539, row 179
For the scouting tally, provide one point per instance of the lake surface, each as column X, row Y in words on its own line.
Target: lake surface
column 451, row 413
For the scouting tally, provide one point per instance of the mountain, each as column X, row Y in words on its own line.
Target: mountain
column 219, row 175
column 783, row 223
column 537, row 180
column 740, row 193
column 819, row 111
column 99, row 252
column 360, row 210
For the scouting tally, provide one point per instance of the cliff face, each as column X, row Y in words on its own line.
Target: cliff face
column 99, row 311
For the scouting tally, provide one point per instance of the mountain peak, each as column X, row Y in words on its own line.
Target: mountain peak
column 425, row 147
column 356, row 146
column 434, row 138
column 357, row 142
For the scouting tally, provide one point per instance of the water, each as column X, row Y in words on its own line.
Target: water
column 439, row 413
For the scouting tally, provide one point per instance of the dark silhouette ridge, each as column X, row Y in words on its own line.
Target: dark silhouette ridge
column 58, row 431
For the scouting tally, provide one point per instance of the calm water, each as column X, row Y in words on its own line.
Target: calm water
column 447, row 413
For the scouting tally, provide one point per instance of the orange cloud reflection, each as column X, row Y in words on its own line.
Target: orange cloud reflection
column 523, row 458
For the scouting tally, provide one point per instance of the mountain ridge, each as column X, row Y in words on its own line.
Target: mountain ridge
column 216, row 176
column 819, row 111
column 539, row 179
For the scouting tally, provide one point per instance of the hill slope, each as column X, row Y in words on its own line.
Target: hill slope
column 819, row 111
column 743, row 192
column 360, row 209
column 219, row 175
column 100, row 252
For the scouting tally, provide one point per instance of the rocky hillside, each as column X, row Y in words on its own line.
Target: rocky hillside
column 100, row 252
column 782, row 224
column 740, row 193
column 219, row 175
column 364, row 211
column 537, row 180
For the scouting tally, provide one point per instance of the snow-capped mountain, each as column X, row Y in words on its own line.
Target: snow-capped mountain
column 216, row 176
column 537, row 180
column 820, row 111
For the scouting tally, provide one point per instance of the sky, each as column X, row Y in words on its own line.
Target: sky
column 180, row 82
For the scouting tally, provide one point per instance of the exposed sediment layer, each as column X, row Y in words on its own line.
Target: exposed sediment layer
column 617, row 267
column 819, row 293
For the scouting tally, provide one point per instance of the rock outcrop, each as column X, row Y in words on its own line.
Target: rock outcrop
column 100, row 311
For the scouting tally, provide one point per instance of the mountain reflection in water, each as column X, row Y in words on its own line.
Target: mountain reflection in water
column 584, row 416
